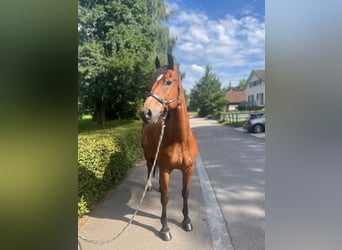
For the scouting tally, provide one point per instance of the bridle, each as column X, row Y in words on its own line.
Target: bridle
column 168, row 102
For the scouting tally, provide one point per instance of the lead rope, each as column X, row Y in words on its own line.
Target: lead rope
column 102, row 242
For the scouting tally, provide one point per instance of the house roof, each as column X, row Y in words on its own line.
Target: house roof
column 235, row 96
column 259, row 73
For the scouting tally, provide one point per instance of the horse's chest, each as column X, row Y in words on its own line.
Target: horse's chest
column 176, row 156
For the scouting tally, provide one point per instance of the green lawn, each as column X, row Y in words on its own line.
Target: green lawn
column 87, row 124
column 233, row 125
column 192, row 113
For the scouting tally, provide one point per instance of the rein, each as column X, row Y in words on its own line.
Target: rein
column 102, row 242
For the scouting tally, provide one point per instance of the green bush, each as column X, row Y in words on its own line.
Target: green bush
column 104, row 157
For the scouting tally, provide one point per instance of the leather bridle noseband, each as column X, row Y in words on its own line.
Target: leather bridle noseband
column 163, row 102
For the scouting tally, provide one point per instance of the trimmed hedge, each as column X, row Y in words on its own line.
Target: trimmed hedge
column 104, row 157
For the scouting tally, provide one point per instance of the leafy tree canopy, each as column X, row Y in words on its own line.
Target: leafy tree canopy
column 118, row 41
column 207, row 97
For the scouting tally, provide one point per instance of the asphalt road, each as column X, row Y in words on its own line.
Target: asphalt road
column 226, row 201
column 235, row 163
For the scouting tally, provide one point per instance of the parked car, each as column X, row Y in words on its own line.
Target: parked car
column 255, row 123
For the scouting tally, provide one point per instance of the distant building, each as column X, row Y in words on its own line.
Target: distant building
column 255, row 89
column 234, row 98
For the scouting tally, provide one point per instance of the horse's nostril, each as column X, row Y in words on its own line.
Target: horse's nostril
column 148, row 113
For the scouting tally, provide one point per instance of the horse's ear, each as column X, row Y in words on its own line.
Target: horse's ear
column 170, row 61
column 157, row 62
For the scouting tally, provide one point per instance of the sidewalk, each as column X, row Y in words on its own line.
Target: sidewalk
column 116, row 211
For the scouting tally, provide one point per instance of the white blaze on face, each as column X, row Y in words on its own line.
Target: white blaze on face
column 159, row 77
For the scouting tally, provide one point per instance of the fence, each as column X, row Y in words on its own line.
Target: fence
column 235, row 117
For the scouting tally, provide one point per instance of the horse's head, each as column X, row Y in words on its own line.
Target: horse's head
column 165, row 92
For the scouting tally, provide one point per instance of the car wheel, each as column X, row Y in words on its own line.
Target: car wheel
column 258, row 128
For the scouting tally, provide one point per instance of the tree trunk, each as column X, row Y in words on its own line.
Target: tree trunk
column 100, row 113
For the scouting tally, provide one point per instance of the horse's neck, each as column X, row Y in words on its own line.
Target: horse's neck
column 180, row 121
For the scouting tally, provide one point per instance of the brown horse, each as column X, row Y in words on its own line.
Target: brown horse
column 178, row 149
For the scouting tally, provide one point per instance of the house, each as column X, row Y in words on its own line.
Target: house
column 234, row 98
column 255, row 89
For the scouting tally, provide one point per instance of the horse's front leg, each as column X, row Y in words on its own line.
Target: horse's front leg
column 149, row 164
column 187, row 225
column 164, row 198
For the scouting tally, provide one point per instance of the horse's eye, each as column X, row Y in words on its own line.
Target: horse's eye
column 168, row 82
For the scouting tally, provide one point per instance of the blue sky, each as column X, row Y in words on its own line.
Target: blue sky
column 227, row 35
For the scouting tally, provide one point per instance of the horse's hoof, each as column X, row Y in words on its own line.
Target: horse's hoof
column 149, row 189
column 166, row 236
column 187, row 226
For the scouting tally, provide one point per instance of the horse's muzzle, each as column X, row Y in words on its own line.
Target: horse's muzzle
column 149, row 116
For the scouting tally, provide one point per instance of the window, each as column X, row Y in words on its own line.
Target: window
column 255, row 83
column 260, row 99
column 250, row 99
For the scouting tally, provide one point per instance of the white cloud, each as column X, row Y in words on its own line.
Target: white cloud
column 253, row 29
column 247, row 11
column 197, row 68
column 174, row 32
column 198, row 33
column 232, row 46
column 190, row 47
column 192, row 18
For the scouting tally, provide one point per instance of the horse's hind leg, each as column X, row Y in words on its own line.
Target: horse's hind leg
column 164, row 198
column 187, row 225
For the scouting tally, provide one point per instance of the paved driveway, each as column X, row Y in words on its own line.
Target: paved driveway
column 259, row 135
column 235, row 163
column 226, row 201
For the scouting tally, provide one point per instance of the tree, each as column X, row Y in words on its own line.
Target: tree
column 156, row 10
column 186, row 96
column 117, row 46
column 230, row 86
column 242, row 85
column 207, row 97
